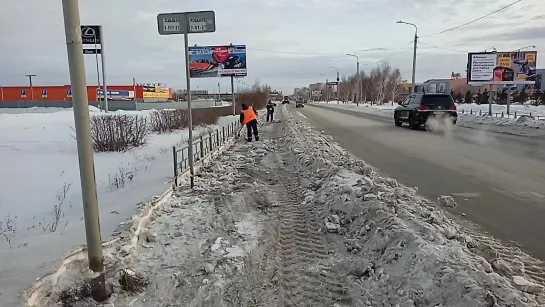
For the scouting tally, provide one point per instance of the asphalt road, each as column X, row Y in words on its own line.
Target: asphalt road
column 497, row 180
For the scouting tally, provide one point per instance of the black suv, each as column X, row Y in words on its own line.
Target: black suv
column 417, row 108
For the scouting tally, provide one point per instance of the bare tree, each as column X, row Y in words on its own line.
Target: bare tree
column 381, row 84
column 394, row 85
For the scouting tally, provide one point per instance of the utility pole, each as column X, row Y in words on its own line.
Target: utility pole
column 31, row 88
column 337, row 82
column 358, row 87
column 72, row 27
column 415, row 42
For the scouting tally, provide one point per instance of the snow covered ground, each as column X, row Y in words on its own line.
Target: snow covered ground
column 294, row 220
column 474, row 116
column 40, row 199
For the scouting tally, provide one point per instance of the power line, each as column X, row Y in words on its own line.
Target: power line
column 500, row 31
column 442, row 48
column 483, row 36
column 474, row 20
column 343, row 54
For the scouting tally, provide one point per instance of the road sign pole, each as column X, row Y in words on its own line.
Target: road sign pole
column 185, row 23
column 104, row 86
column 98, row 75
column 189, row 111
column 84, row 145
column 233, row 95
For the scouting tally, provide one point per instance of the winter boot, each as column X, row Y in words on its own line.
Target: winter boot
column 257, row 138
column 249, row 139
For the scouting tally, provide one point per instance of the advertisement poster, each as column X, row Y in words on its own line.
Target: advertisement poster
column 517, row 67
column 116, row 94
column 157, row 92
column 217, row 61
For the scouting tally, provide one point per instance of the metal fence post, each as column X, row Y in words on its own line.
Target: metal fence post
column 211, row 141
column 223, row 133
column 175, row 160
column 218, row 137
column 201, row 147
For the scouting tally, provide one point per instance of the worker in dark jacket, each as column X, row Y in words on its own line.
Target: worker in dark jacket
column 270, row 111
column 248, row 117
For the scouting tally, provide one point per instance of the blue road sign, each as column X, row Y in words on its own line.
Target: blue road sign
column 44, row 92
column 23, row 92
column 69, row 92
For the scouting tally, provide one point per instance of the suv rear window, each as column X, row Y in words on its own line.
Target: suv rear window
column 437, row 100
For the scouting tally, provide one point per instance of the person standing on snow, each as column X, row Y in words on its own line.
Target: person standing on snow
column 248, row 117
column 270, row 111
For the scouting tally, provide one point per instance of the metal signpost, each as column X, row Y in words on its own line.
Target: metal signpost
column 186, row 23
column 93, row 35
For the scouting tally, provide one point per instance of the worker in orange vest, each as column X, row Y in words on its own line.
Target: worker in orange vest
column 248, row 117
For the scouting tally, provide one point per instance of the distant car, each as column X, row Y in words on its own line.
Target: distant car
column 305, row 101
column 286, row 100
column 233, row 62
column 417, row 108
column 299, row 104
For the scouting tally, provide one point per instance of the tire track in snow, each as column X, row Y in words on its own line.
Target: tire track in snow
column 301, row 273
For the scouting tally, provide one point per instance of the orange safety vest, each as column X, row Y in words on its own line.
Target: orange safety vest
column 249, row 115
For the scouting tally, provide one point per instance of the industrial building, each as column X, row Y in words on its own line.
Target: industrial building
column 61, row 95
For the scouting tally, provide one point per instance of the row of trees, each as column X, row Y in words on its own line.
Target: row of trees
column 380, row 85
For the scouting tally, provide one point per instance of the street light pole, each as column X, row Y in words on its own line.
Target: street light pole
column 84, row 145
column 337, row 82
column 358, row 87
column 415, row 41
column 31, row 88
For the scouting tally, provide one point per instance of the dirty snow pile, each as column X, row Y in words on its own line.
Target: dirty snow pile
column 403, row 250
column 184, row 253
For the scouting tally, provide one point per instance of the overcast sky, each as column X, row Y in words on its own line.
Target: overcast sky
column 290, row 43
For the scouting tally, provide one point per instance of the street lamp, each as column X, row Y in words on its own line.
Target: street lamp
column 358, row 86
column 30, row 82
column 526, row 47
column 337, row 69
column 414, row 51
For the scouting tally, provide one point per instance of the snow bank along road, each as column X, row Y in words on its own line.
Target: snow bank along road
column 294, row 220
column 497, row 180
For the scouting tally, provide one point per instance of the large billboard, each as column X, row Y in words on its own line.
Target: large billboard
column 217, row 61
column 516, row 67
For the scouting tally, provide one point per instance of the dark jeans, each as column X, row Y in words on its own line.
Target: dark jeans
column 251, row 126
column 270, row 116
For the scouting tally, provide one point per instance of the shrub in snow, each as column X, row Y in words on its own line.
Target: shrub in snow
column 118, row 132
column 163, row 121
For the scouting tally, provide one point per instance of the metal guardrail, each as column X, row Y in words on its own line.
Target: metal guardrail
column 501, row 114
column 203, row 146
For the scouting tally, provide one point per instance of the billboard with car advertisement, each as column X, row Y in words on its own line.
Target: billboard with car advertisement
column 516, row 67
column 217, row 61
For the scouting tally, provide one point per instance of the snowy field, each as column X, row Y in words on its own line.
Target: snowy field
column 40, row 198
column 474, row 116
column 294, row 220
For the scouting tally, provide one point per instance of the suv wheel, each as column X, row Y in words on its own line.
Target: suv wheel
column 398, row 123
column 412, row 123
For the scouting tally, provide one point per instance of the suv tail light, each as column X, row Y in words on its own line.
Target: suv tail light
column 453, row 107
column 423, row 107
